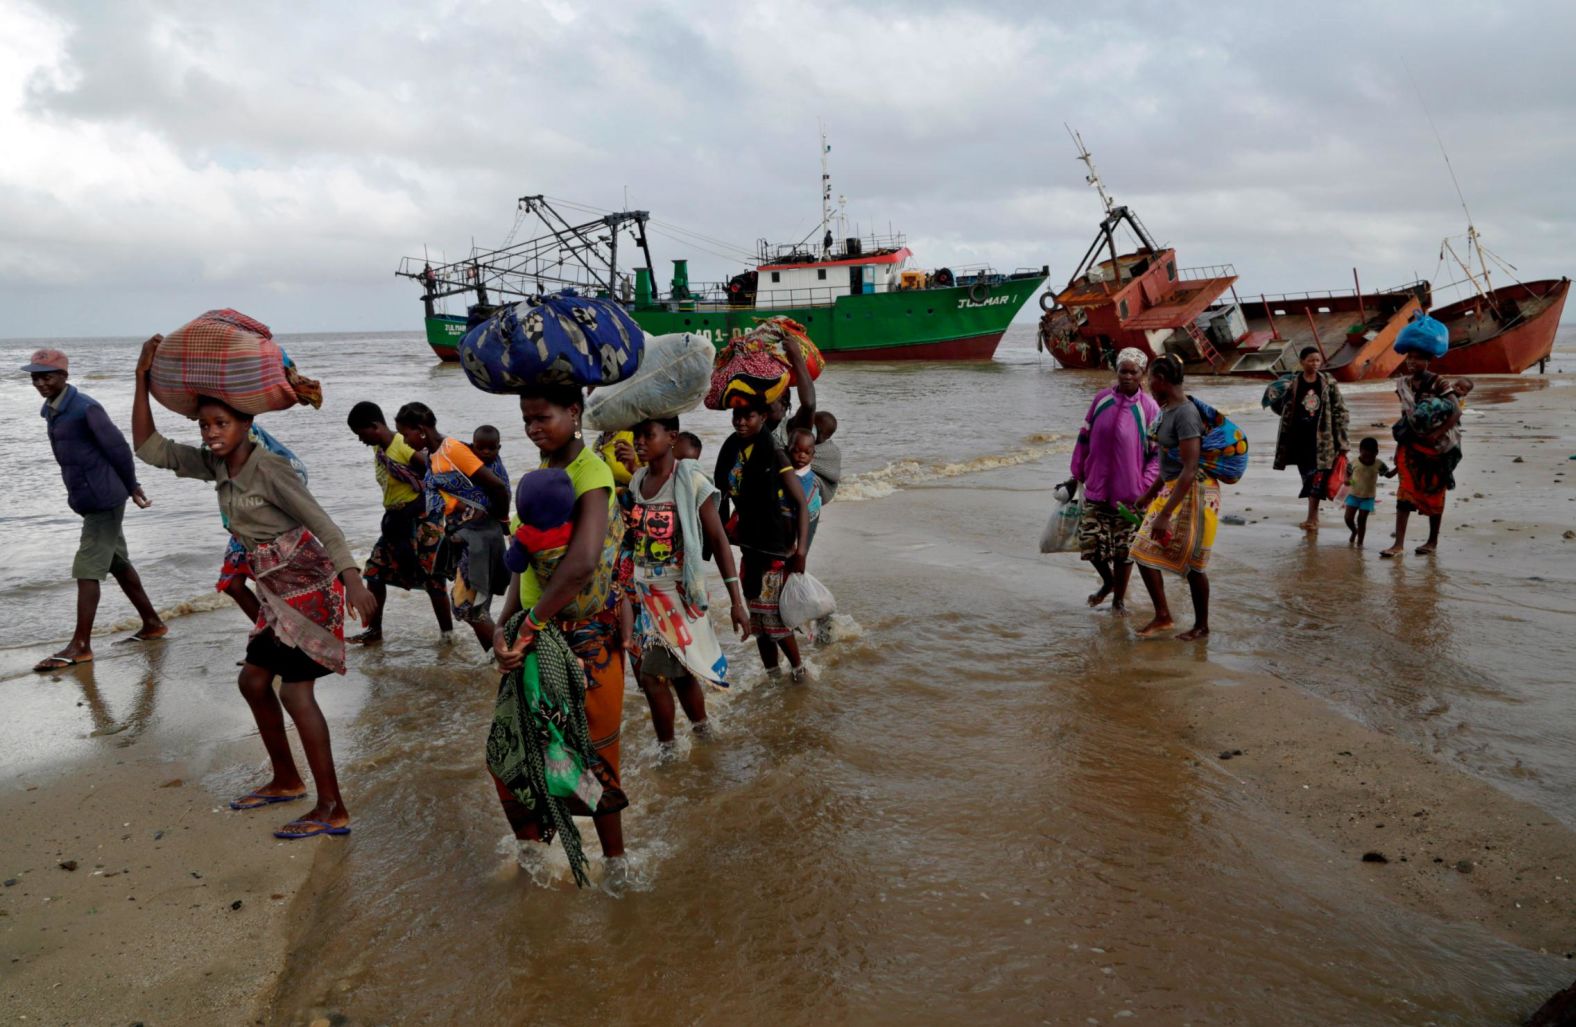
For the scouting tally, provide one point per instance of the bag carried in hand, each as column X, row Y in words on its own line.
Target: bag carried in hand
column 674, row 375
column 803, row 600
column 232, row 358
column 563, row 339
column 1061, row 531
column 1335, row 478
column 1223, row 451
column 755, row 366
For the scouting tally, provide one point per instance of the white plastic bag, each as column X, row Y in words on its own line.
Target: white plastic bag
column 803, row 600
column 674, row 374
column 1061, row 531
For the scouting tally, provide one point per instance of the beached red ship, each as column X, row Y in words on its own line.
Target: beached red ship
column 1503, row 331
column 1142, row 299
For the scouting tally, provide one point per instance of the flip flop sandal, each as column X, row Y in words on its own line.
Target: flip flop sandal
column 140, row 637
column 262, row 800
column 317, row 828
column 50, row 663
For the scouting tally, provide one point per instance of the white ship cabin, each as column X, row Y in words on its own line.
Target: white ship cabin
column 790, row 282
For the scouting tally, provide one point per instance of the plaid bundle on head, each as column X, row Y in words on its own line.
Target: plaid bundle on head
column 228, row 356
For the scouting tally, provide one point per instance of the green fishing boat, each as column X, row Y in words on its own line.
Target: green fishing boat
column 859, row 297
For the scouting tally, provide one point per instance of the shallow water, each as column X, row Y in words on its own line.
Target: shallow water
column 980, row 810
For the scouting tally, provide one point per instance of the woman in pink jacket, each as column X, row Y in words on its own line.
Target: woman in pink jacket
column 1116, row 462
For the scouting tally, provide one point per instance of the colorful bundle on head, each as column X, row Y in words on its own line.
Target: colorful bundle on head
column 544, row 513
column 759, row 360
column 772, row 335
column 559, row 339
column 1424, row 335
column 230, row 357
column 1223, row 451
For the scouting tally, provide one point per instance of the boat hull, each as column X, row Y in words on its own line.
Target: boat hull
column 1278, row 329
column 1482, row 346
column 444, row 332
column 961, row 323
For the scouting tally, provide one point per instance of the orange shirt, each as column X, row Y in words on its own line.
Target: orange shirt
column 454, row 455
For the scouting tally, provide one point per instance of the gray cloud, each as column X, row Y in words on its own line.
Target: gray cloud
column 164, row 158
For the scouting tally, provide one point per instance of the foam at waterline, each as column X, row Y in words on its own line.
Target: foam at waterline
column 547, row 866
column 899, row 473
column 202, row 603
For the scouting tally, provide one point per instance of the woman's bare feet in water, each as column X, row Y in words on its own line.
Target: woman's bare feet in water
column 368, row 637
column 1156, row 626
column 1096, row 598
column 1309, row 525
column 1119, row 609
column 1193, row 634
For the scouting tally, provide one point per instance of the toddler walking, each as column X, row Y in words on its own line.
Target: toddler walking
column 1362, row 485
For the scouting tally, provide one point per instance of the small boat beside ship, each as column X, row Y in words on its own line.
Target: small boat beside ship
column 1144, row 300
column 859, row 297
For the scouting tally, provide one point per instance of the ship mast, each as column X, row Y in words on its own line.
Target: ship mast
column 1093, row 178
column 826, row 194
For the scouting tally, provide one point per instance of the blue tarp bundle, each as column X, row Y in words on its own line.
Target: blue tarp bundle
column 1424, row 335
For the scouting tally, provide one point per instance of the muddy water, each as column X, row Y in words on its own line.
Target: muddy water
column 980, row 810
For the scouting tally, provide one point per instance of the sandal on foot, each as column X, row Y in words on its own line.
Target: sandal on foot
column 310, row 829
column 257, row 800
column 50, row 663
column 157, row 634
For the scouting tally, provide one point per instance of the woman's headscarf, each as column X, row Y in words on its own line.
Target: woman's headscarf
column 1134, row 354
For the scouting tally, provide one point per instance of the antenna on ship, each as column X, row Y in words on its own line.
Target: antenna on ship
column 826, row 192
column 1093, row 177
column 1474, row 240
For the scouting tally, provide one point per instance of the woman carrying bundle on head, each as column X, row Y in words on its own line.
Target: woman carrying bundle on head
column 670, row 520
column 564, row 595
column 1428, row 447
column 1183, row 502
column 758, row 482
column 305, row 575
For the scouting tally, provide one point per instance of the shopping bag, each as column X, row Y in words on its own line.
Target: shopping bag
column 803, row 600
column 1061, row 531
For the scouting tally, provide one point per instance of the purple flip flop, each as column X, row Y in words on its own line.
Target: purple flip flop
column 317, row 828
column 262, row 800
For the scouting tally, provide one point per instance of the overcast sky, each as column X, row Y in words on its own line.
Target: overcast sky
column 163, row 158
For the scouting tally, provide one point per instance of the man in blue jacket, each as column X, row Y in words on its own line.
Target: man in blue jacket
column 95, row 462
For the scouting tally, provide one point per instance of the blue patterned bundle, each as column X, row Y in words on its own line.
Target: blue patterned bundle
column 563, row 339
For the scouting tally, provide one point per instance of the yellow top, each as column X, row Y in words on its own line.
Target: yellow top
column 621, row 474
column 395, row 492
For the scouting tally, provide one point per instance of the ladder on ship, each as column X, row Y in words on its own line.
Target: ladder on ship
column 1206, row 349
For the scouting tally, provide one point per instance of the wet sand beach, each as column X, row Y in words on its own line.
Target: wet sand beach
column 993, row 804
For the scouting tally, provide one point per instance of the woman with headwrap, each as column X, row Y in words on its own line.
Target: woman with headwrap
column 1428, row 447
column 1116, row 463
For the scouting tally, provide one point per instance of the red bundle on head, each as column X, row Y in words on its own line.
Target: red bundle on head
column 231, row 357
